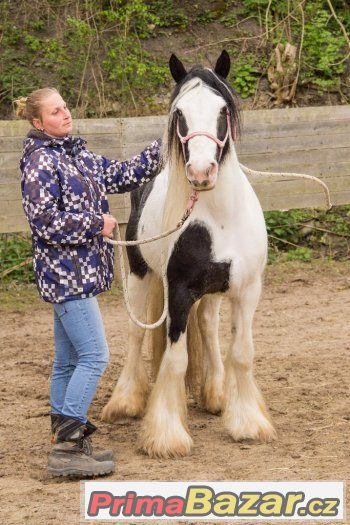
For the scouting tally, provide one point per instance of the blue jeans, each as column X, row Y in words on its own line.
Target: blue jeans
column 81, row 357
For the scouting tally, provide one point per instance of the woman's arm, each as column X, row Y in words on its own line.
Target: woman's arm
column 125, row 176
column 40, row 199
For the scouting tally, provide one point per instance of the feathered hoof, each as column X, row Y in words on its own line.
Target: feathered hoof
column 261, row 431
column 166, row 444
column 121, row 406
column 212, row 401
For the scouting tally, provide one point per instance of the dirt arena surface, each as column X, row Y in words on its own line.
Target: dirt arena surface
column 302, row 340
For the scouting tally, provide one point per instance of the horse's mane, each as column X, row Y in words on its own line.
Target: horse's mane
column 198, row 76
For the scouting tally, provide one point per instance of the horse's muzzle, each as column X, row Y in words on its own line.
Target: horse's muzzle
column 202, row 178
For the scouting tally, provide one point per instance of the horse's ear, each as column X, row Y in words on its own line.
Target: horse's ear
column 177, row 68
column 223, row 64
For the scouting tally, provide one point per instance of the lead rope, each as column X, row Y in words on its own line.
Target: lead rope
column 190, row 205
column 119, row 243
column 249, row 171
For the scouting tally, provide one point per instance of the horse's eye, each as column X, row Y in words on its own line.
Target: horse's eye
column 179, row 112
column 223, row 110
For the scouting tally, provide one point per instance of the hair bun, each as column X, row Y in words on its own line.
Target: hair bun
column 21, row 104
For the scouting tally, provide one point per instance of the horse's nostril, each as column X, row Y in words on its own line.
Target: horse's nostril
column 205, row 183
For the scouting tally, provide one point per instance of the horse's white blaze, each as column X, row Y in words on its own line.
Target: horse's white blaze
column 164, row 429
column 202, row 150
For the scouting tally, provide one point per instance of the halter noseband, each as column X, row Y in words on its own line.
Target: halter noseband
column 220, row 143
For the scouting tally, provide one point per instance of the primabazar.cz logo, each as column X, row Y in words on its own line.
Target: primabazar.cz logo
column 220, row 500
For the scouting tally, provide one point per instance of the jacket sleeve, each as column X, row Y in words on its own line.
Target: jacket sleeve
column 120, row 177
column 41, row 204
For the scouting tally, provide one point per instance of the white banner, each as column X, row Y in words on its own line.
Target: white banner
column 212, row 501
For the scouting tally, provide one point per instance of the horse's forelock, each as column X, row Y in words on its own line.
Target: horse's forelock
column 204, row 76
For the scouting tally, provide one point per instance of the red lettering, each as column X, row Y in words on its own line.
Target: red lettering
column 117, row 503
column 174, row 506
column 149, row 506
column 99, row 500
column 130, row 496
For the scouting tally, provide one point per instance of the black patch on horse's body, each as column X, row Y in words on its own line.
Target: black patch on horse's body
column 192, row 273
column 138, row 199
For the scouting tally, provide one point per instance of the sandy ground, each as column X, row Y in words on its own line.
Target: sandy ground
column 302, row 338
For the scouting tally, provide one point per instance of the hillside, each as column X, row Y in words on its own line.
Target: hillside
column 109, row 57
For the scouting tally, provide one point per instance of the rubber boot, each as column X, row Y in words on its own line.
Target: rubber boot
column 71, row 454
column 90, row 428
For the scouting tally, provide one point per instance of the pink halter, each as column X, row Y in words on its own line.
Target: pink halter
column 220, row 143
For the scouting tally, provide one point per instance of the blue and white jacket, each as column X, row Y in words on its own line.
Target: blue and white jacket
column 64, row 189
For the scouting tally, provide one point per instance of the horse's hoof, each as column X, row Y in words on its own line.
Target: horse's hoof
column 262, row 431
column 113, row 411
column 165, row 445
column 212, row 402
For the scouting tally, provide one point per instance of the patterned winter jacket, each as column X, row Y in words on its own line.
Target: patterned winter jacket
column 64, row 189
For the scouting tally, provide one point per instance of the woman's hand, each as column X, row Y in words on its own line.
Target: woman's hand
column 109, row 223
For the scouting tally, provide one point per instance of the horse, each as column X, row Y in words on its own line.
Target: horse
column 221, row 250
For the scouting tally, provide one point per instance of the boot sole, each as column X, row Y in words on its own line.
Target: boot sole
column 74, row 473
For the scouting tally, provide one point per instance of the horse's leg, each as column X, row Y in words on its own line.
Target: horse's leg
column 213, row 369
column 130, row 394
column 245, row 414
column 164, row 428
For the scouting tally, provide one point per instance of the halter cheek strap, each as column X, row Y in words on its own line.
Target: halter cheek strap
column 220, row 143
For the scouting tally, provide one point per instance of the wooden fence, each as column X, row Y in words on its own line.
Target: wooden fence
column 313, row 140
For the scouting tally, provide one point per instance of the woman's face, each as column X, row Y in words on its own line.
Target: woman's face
column 56, row 119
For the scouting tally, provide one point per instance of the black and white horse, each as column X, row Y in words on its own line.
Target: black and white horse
column 220, row 250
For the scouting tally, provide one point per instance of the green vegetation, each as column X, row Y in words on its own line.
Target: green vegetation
column 309, row 233
column 102, row 54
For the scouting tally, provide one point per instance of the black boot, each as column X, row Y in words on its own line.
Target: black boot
column 90, row 428
column 72, row 454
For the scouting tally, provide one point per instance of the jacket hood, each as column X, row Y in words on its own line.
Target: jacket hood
column 37, row 139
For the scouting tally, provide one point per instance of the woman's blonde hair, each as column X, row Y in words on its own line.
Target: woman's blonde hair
column 29, row 107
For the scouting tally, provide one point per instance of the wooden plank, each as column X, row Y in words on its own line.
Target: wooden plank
column 288, row 202
column 292, row 129
column 297, row 161
column 305, row 114
column 308, row 140
column 14, row 128
column 8, row 175
column 284, row 145
column 94, row 142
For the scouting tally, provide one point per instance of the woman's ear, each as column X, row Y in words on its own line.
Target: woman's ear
column 223, row 64
column 37, row 124
column 177, row 69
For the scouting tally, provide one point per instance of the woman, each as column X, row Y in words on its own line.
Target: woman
column 64, row 189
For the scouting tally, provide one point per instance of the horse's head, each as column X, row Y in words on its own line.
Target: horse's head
column 204, row 118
